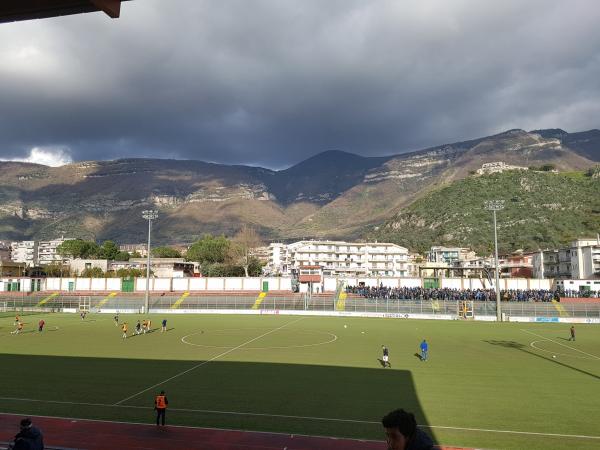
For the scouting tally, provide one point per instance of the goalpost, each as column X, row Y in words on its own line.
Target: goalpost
column 85, row 304
column 3, row 307
column 465, row 309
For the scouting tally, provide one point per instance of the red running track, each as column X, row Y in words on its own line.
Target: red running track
column 100, row 435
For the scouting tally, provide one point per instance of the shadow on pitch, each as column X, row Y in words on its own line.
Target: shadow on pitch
column 523, row 348
column 247, row 395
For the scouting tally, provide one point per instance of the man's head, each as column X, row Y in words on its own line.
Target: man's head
column 400, row 426
column 162, row 392
column 26, row 423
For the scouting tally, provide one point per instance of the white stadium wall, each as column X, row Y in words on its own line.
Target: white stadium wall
column 329, row 284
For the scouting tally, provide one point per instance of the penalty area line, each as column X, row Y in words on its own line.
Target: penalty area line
column 560, row 343
column 207, row 361
column 311, row 418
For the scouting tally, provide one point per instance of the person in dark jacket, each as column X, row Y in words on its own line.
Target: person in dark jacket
column 402, row 433
column 29, row 437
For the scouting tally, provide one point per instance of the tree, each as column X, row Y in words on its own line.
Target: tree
column 92, row 272
column 131, row 273
column 165, row 252
column 78, row 249
column 244, row 242
column 255, row 268
column 136, row 254
column 209, row 250
column 122, row 256
column 57, row 270
column 109, row 250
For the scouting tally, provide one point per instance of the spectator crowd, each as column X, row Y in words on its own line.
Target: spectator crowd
column 418, row 293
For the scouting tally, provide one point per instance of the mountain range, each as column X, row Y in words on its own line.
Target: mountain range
column 334, row 194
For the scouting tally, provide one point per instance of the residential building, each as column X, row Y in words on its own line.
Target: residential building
column 77, row 266
column 497, row 167
column 450, row 255
column 24, row 252
column 142, row 249
column 47, row 254
column 581, row 260
column 12, row 269
column 585, row 258
column 160, row 267
column 339, row 258
column 4, row 251
column 518, row 265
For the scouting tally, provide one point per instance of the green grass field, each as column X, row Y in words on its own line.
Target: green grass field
column 311, row 375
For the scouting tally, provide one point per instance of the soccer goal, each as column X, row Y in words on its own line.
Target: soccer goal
column 3, row 307
column 465, row 309
column 85, row 304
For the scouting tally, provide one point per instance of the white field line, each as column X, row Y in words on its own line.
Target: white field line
column 220, row 355
column 285, row 416
column 560, row 343
column 568, row 355
column 190, row 427
column 335, row 338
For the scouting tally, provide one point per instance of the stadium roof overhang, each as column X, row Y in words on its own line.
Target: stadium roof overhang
column 15, row 10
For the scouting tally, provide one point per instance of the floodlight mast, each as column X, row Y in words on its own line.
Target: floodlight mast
column 496, row 205
column 149, row 215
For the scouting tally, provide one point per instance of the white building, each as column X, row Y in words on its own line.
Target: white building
column 450, row 255
column 579, row 261
column 78, row 266
column 47, row 254
column 339, row 258
column 497, row 167
column 24, row 252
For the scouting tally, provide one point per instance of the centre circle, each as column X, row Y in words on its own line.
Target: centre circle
column 231, row 338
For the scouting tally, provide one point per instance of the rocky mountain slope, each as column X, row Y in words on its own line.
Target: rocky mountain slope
column 333, row 194
column 542, row 209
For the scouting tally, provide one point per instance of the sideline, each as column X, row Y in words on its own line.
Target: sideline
column 285, row 416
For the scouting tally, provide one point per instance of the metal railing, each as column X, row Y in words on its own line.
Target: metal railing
column 298, row 303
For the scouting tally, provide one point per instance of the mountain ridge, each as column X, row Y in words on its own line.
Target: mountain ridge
column 331, row 194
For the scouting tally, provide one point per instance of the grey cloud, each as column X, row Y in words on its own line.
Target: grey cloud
column 273, row 82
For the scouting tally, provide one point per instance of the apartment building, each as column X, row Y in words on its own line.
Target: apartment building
column 450, row 255
column 47, row 254
column 581, row 260
column 340, row 258
column 24, row 252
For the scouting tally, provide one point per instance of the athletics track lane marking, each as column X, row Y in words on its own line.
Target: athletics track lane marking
column 285, row 416
column 560, row 343
column 207, row 361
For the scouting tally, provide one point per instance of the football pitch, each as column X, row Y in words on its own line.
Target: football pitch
column 486, row 385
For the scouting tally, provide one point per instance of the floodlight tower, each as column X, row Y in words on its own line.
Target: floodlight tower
column 149, row 215
column 496, row 205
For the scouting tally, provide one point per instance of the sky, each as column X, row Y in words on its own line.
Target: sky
column 273, row 82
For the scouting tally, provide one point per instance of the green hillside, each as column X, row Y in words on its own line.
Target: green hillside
column 542, row 210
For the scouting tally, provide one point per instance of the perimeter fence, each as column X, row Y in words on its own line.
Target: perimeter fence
column 292, row 302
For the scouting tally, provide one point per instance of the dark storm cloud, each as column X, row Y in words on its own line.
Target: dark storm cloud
column 273, row 82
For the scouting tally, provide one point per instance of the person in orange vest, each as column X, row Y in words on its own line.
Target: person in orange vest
column 17, row 320
column 19, row 328
column 124, row 328
column 160, row 405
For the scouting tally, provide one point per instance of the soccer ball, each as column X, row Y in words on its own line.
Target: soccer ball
column 345, row 326
column 554, row 356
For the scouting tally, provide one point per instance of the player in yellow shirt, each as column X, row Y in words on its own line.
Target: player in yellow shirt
column 124, row 328
column 19, row 328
